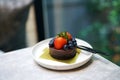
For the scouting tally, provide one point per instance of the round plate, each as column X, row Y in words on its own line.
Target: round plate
column 82, row 58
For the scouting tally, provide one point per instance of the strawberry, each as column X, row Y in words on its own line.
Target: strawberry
column 59, row 42
column 62, row 39
column 66, row 35
column 69, row 35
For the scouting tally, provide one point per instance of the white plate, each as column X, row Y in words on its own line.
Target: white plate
column 83, row 57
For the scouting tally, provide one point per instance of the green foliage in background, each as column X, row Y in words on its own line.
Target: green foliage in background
column 104, row 31
column 110, row 9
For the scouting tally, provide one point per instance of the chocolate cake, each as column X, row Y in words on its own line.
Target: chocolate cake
column 63, row 46
column 62, row 54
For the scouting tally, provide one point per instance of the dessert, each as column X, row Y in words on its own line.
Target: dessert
column 63, row 46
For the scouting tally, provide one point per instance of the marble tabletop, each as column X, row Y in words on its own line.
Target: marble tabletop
column 19, row 65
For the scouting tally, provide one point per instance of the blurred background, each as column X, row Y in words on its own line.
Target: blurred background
column 23, row 23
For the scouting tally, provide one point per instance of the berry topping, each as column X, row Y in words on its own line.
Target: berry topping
column 51, row 43
column 64, row 40
column 69, row 42
column 66, row 35
column 70, row 46
column 73, row 39
column 59, row 42
column 75, row 44
column 69, row 35
column 65, row 47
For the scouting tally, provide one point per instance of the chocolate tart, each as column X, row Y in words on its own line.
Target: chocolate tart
column 62, row 54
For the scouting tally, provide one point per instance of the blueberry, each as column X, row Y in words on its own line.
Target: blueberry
column 70, row 46
column 75, row 43
column 73, row 39
column 65, row 47
column 69, row 42
column 51, row 43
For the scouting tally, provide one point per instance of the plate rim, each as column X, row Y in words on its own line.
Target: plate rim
column 54, row 67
